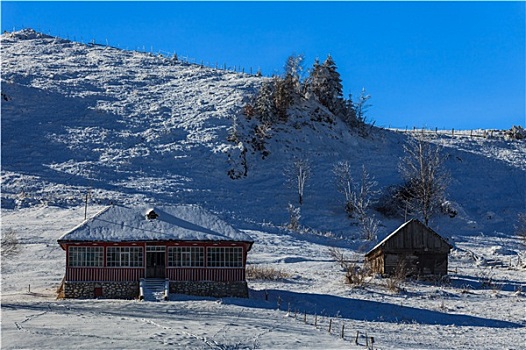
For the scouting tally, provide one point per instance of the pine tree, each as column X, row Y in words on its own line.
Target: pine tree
column 362, row 106
column 313, row 85
column 264, row 105
column 325, row 84
column 283, row 97
column 334, row 92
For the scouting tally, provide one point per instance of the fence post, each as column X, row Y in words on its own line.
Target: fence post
column 343, row 331
column 305, row 317
column 356, row 339
column 330, row 325
column 452, row 132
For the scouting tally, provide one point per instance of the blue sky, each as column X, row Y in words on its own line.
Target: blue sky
column 426, row 64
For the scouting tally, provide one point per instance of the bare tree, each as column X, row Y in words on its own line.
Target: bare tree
column 370, row 228
column 298, row 175
column 294, row 71
column 358, row 195
column 425, row 178
column 344, row 184
column 363, row 194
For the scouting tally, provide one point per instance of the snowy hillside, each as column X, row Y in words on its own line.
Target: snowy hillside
column 134, row 128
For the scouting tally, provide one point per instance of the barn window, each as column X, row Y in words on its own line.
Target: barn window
column 186, row 257
column 225, row 257
column 85, row 256
column 124, row 257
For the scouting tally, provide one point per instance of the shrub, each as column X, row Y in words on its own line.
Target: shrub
column 266, row 273
column 395, row 280
column 9, row 244
column 355, row 275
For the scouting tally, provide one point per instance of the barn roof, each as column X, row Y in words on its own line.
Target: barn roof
column 395, row 232
column 175, row 223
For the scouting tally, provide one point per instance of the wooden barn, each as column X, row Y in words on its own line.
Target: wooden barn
column 416, row 248
column 121, row 251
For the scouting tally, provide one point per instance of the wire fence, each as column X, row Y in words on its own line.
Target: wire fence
column 515, row 133
column 333, row 324
column 183, row 59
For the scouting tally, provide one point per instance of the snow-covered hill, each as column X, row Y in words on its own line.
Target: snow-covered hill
column 132, row 127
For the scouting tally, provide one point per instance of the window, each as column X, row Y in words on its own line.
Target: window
column 225, row 257
column 186, row 256
column 124, row 257
column 85, row 256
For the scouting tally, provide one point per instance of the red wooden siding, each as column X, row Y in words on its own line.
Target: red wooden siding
column 205, row 274
column 104, row 273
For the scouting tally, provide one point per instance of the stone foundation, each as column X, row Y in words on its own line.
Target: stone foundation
column 130, row 290
column 109, row 290
column 210, row 289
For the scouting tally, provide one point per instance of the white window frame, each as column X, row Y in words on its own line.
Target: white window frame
column 85, row 256
column 225, row 257
column 124, row 256
column 181, row 256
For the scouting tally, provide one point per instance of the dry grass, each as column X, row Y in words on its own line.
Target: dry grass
column 266, row 273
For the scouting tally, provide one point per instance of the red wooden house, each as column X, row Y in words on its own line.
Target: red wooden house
column 193, row 251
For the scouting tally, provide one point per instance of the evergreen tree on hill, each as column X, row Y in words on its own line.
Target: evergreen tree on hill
column 264, row 104
column 325, row 84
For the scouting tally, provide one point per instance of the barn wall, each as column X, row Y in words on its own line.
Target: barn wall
column 376, row 264
column 415, row 265
column 416, row 236
column 391, row 263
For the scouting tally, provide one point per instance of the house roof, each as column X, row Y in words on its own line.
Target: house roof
column 175, row 223
column 395, row 232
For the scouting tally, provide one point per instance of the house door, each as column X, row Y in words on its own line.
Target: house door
column 155, row 262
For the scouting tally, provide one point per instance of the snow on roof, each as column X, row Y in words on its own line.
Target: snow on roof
column 175, row 223
column 382, row 242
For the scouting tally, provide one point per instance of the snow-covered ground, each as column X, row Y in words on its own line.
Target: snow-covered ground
column 460, row 314
column 133, row 128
